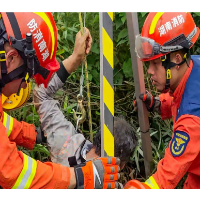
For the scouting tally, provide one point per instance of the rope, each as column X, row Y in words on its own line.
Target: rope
column 87, row 82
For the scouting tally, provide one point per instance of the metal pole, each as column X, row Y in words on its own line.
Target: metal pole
column 106, row 83
column 138, row 74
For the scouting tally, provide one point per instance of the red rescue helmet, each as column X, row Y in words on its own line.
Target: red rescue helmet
column 165, row 32
column 34, row 35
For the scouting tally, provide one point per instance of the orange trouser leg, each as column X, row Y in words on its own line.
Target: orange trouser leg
column 192, row 182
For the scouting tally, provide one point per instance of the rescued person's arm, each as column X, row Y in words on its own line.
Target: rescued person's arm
column 56, row 127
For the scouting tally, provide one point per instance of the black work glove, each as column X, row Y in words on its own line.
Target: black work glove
column 152, row 103
column 40, row 136
column 100, row 173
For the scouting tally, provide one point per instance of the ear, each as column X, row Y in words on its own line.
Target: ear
column 178, row 58
column 13, row 60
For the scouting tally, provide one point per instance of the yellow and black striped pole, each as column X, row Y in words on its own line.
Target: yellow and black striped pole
column 106, row 83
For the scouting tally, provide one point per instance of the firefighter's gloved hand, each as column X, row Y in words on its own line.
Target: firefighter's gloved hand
column 101, row 173
column 40, row 136
column 152, row 103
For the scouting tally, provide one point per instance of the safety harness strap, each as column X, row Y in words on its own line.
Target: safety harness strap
column 14, row 25
column 17, row 73
column 27, row 174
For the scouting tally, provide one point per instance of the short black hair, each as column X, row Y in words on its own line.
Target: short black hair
column 125, row 140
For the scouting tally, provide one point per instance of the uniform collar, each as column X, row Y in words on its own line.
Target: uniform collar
column 177, row 94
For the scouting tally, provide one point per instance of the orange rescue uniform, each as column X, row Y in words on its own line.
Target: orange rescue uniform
column 170, row 169
column 183, row 105
column 183, row 153
column 18, row 170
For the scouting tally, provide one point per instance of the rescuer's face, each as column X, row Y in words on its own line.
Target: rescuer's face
column 158, row 74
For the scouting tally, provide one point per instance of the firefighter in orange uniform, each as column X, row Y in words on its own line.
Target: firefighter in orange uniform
column 28, row 43
column 165, row 43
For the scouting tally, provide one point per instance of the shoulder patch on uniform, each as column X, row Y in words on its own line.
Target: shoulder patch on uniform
column 179, row 143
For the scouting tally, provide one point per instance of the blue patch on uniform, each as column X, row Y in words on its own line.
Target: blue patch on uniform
column 179, row 143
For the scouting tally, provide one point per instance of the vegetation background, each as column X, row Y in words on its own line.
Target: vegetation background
column 161, row 131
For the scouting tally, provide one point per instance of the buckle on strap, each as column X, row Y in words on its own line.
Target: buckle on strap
column 2, row 56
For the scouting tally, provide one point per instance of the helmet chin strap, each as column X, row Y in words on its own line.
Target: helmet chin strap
column 24, row 79
column 167, row 64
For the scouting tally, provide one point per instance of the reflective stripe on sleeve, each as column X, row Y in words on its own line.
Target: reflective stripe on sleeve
column 8, row 123
column 152, row 183
column 27, row 174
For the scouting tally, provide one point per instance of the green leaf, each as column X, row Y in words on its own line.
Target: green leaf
column 127, row 68
column 123, row 33
column 65, row 34
column 65, row 102
column 94, row 48
column 58, row 36
column 121, row 42
column 89, row 77
column 89, row 67
column 29, row 118
column 24, row 112
column 34, row 110
column 73, row 29
column 140, row 152
column 118, row 23
column 91, row 60
column 40, row 148
column 96, row 18
column 66, row 49
column 122, row 14
column 97, row 113
column 123, row 18
column 143, row 13
column 118, row 78
column 136, row 157
column 69, row 108
column 70, row 38
column 60, row 51
column 96, row 76
column 197, row 13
